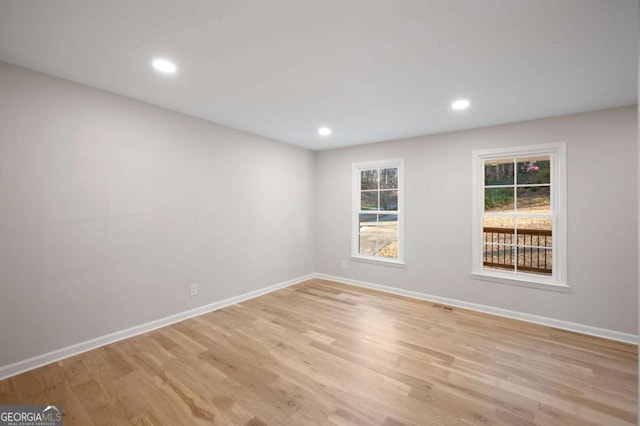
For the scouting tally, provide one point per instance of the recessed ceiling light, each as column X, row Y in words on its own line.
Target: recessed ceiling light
column 164, row 66
column 460, row 104
column 324, row 131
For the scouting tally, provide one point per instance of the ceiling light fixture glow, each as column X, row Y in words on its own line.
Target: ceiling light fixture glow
column 324, row 131
column 460, row 104
column 164, row 66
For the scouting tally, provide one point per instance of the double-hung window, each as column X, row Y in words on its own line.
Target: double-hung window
column 378, row 211
column 519, row 215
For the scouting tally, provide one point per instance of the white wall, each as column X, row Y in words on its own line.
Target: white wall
column 110, row 208
column 602, row 221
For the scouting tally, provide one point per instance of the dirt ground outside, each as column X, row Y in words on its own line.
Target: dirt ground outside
column 382, row 240
column 523, row 222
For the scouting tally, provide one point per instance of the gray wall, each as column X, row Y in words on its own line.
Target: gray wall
column 110, row 208
column 602, row 221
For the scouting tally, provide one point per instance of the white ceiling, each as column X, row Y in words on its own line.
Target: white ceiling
column 371, row 70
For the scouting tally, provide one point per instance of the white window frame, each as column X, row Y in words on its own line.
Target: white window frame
column 558, row 279
column 355, row 212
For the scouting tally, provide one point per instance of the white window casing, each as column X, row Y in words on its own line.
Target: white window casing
column 558, row 214
column 357, row 211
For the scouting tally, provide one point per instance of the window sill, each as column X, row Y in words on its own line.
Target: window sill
column 382, row 262
column 523, row 282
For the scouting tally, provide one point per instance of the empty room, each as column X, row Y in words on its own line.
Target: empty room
column 356, row 212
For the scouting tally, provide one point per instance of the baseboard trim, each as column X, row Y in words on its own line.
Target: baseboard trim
column 53, row 356
column 550, row 322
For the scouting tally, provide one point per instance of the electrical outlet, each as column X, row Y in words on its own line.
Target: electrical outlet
column 345, row 265
column 194, row 289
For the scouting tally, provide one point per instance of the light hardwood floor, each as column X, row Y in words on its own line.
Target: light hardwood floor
column 327, row 353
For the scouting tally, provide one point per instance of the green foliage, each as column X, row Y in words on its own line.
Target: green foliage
column 502, row 174
column 543, row 175
column 527, row 173
column 498, row 197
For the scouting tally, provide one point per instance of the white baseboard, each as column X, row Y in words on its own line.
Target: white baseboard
column 550, row 322
column 53, row 356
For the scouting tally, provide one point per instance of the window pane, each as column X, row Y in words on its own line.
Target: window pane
column 498, row 200
column 521, row 190
column 389, row 178
column 535, row 231
column 535, row 260
column 389, row 200
column 498, row 230
column 536, row 170
column 498, row 172
column 388, row 235
column 369, row 200
column 534, row 199
column 498, row 257
column 368, row 234
column 378, row 189
column 368, row 179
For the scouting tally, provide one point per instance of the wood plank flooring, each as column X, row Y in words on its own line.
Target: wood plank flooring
column 327, row 353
